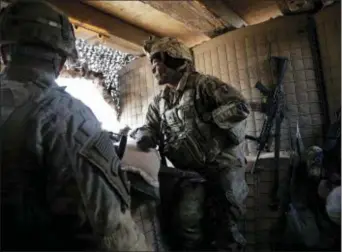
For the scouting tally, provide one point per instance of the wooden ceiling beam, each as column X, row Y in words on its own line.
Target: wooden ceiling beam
column 223, row 11
column 193, row 14
column 129, row 38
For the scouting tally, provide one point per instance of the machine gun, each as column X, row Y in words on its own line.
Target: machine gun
column 274, row 110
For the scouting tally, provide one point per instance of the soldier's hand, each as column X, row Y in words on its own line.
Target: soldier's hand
column 145, row 143
column 125, row 131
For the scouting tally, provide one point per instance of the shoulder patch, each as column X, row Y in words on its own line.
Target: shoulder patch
column 100, row 152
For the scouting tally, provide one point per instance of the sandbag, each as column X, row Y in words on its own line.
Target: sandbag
column 145, row 214
column 146, row 164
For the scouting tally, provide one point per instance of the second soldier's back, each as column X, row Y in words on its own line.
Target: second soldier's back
column 62, row 187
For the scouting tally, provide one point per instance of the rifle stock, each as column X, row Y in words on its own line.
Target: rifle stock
column 264, row 90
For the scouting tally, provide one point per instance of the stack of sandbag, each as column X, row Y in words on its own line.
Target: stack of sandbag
column 142, row 171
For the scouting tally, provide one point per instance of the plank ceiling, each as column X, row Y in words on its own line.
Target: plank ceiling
column 126, row 24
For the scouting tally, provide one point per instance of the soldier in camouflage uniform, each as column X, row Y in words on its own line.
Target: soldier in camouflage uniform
column 61, row 183
column 203, row 122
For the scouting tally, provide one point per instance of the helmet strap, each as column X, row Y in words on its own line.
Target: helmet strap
column 186, row 67
column 182, row 67
column 162, row 55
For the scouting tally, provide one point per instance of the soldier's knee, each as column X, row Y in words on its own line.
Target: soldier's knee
column 234, row 185
column 190, row 216
column 192, row 191
column 190, row 206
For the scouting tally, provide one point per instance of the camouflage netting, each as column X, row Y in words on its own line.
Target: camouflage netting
column 100, row 64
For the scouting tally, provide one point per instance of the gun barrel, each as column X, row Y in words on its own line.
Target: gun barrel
column 281, row 64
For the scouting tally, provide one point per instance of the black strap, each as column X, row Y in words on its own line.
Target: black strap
column 161, row 150
column 161, row 144
column 122, row 146
column 11, row 130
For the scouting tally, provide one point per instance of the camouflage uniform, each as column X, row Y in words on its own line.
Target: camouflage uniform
column 203, row 122
column 61, row 186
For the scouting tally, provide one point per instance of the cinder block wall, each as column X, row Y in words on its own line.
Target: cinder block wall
column 329, row 37
column 138, row 87
column 259, row 217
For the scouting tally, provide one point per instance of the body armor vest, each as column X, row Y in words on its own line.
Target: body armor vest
column 188, row 139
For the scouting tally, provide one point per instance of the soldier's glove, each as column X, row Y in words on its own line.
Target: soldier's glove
column 145, row 143
column 125, row 131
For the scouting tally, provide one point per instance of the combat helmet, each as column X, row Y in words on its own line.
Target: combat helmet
column 34, row 22
column 171, row 46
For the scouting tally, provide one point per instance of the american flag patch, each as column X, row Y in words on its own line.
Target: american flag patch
column 104, row 147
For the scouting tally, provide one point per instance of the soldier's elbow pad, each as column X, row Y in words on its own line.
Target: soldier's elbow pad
column 230, row 113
